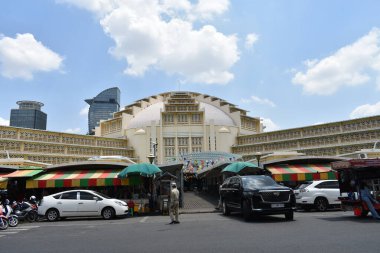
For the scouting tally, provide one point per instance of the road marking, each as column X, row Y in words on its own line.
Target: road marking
column 15, row 230
column 144, row 219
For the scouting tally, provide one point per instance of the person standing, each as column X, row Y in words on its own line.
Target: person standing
column 174, row 204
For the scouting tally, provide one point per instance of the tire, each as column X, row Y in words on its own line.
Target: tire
column 3, row 224
column 321, row 204
column 226, row 210
column 108, row 213
column 289, row 215
column 32, row 216
column 13, row 221
column 364, row 213
column 52, row 214
column 247, row 215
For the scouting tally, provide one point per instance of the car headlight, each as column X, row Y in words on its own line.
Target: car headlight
column 120, row 203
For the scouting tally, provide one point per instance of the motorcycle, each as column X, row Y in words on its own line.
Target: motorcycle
column 25, row 211
column 9, row 214
column 3, row 221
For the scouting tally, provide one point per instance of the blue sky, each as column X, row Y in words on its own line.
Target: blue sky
column 291, row 63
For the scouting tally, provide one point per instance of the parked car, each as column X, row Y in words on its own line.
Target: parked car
column 80, row 203
column 320, row 194
column 256, row 195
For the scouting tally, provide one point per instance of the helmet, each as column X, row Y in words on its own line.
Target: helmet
column 32, row 198
column 174, row 184
column 6, row 201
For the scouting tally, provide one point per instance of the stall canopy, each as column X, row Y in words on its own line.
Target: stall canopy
column 3, row 182
column 305, row 172
column 241, row 167
column 142, row 169
column 24, row 173
column 80, row 178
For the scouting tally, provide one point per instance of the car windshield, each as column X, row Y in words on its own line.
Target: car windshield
column 258, row 182
column 102, row 195
column 304, row 185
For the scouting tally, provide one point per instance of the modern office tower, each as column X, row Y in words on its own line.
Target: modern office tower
column 102, row 107
column 29, row 115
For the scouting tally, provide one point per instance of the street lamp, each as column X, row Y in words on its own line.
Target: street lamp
column 151, row 158
column 258, row 156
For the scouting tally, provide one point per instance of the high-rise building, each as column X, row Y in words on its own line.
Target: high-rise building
column 29, row 115
column 102, row 107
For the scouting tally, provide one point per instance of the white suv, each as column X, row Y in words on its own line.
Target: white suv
column 319, row 194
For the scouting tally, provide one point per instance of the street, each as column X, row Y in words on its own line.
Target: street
column 332, row 231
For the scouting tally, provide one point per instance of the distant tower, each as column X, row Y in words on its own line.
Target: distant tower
column 29, row 115
column 102, row 106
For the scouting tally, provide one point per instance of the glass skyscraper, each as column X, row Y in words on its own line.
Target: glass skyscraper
column 29, row 115
column 102, row 106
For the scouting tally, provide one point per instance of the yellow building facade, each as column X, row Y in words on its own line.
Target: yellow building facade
column 172, row 124
column 57, row 148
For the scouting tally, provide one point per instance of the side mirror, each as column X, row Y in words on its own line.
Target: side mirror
column 96, row 198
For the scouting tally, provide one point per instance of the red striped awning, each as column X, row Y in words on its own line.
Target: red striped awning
column 301, row 172
column 78, row 178
column 23, row 173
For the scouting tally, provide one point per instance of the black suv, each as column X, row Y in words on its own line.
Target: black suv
column 256, row 195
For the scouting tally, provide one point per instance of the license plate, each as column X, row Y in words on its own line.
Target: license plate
column 277, row 205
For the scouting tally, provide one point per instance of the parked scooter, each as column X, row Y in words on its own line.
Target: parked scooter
column 26, row 210
column 8, row 213
column 3, row 220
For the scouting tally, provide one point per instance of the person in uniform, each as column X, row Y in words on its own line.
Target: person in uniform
column 174, row 204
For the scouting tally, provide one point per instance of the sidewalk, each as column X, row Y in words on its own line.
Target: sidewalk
column 198, row 203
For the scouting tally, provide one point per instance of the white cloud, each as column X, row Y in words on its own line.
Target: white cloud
column 352, row 65
column 160, row 34
column 257, row 100
column 366, row 111
column 22, row 56
column 250, row 39
column 84, row 111
column 73, row 130
column 269, row 125
column 4, row 122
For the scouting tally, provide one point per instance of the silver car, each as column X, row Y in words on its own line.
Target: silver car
column 80, row 203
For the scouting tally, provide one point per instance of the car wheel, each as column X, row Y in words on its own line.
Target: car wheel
column 52, row 214
column 289, row 215
column 108, row 213
column 321, row 204
column 226, row 210
column 246, row 211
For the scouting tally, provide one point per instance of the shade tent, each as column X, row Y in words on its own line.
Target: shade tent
column 243, row 168
column 301, row 172
column 142, row 169
column 3, row 182
column 24, row 173
column 80, row 178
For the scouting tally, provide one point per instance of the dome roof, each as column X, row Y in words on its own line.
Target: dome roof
column 153, row 113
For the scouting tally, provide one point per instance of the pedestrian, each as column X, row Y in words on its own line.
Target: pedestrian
column 367, row 197
column 174, row 204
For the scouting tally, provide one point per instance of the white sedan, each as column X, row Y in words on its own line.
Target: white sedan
column 80, row 203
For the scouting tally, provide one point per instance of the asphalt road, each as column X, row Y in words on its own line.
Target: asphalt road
column 333, row 231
